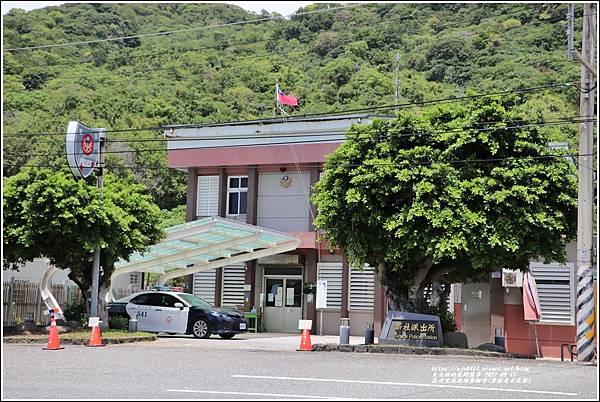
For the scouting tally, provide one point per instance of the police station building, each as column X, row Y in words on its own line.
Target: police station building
column 261, row 173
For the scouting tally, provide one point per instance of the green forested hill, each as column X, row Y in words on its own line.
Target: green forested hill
column 335, row 60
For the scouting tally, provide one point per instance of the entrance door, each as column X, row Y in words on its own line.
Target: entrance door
column 476, row 313
column 283, row 304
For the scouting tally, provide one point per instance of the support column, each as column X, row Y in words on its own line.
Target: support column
column 345, row 287
column 222, row 192
column 222, row 214
column 192, row 195
column 251, row 218
column 190, row 215
column 310, row 275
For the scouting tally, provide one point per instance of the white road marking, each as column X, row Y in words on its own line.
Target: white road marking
column 257, row 394
column 410, row 384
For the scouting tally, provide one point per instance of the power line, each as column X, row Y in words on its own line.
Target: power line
column 237, row 23
column 401, row 135
column 223, row 46
column 564, row 85
column 559, row 121
column 131, row 73
column 227, row 45
column 397, row 163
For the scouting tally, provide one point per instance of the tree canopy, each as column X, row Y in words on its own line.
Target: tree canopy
column 447, row 196
column 52, row 215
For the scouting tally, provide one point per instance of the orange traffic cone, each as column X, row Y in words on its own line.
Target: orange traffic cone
column 305, row 344
column 53, row 340
column 96, row 338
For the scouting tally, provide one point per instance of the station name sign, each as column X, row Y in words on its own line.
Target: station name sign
column 412, row 329
column 83, row 148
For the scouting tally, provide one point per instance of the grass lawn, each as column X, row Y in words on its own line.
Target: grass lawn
column 83, row 335
column 108, row 333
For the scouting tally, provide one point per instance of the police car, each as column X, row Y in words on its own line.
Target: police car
column 183, row 313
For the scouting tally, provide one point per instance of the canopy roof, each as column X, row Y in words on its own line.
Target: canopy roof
column 205, row 244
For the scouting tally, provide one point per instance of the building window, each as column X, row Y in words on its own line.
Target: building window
column 362, row 289
column 556, row 291
column 332, row 273
column 134, row 279
column 232, row 289
column 208, row 196
column 237, row 195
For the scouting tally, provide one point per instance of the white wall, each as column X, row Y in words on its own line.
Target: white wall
column 34, row 271
column 283, row 208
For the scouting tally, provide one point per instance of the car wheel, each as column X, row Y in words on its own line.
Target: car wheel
column 200, row 329
column 226, row 336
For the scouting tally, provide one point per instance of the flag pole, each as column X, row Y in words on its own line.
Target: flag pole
column 276, row 104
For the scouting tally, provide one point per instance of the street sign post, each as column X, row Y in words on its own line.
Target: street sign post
column 85, row 148
column 321, row 302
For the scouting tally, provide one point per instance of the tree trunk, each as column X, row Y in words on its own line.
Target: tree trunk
column 102, row 305
column 85, row 288
column 405, row 295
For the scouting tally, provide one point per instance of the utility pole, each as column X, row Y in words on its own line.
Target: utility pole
column 585, row 313
column 96, row 266
column 397, row 98
column 570, row 22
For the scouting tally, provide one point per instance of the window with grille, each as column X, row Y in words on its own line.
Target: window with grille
column 237, row 195
column 207, row 202
column 233, row 285
column 204, row 285
column 362, row 288
column 556, row 292
column 134, row 279
column 332, row 273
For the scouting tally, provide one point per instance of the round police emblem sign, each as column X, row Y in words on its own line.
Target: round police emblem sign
column 83, row 146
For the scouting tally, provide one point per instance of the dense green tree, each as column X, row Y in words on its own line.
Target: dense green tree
column 52, row 215
column 447, row 196
column 333, row 60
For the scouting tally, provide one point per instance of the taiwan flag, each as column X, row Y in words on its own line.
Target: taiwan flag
column 284, row 99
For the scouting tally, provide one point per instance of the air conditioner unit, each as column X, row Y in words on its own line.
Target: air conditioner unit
column 512, row 278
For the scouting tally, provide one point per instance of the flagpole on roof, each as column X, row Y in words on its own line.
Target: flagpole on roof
column 276, row 105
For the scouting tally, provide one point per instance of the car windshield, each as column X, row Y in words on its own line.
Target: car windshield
column 194, row 300
column 126, row 298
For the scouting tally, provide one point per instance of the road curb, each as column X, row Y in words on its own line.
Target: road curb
column 66, row 341
column 407, row 350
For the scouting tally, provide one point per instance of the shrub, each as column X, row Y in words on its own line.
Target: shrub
column 511, row 23
column 75, row 311
column 118, row 323
column 446, row 318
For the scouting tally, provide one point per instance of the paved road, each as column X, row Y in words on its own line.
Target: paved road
column 185, row 368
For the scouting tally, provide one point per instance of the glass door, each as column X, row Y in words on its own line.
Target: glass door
column 283, row 304
column 293, row 304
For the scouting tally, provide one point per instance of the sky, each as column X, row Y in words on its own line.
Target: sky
column 282, row 7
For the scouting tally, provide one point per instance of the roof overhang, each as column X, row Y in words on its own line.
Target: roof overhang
column 205, row 244
column 264, row 132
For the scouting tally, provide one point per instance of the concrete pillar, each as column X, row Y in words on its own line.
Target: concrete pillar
column 190, row 215
column 251, row 210
column 222, row 214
